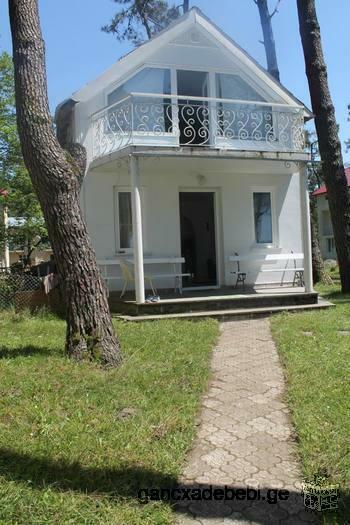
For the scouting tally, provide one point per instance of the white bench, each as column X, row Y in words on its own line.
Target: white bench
column 176, row 274
column 298, row 270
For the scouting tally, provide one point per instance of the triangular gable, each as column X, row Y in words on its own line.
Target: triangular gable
column 193, row 37
column 194, row 29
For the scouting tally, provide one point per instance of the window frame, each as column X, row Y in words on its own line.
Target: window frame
column 330, row 244
column 245, row 80
column 122, row 80
column 126, row 189
column 212, row 71
column 271, row 190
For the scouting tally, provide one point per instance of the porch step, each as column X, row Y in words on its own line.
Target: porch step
column 186, row 305
column 230, row 314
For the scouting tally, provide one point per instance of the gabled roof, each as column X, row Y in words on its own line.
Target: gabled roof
column 322, row 190
column 142, row 53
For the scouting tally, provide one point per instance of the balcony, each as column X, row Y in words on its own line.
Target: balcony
column 175, row 121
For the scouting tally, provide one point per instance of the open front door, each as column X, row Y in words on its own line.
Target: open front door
column 198, row 242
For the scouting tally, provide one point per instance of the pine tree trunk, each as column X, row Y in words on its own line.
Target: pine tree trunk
column 186, row 5
column 328, row 139
column 318, row 270
column 57, row 177
column 141, row 11
column 269, row 41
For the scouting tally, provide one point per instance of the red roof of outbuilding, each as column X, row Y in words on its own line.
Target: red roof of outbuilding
column 3, row 192
column 322, row 189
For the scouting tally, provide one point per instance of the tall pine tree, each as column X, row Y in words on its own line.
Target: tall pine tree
column 57, row 173
column 327, row 132
column 139, row 20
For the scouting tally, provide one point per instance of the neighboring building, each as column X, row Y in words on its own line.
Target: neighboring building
column 193, row 150
column 325, row 228
column 38, row 256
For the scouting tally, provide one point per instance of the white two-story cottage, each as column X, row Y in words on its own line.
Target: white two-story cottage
column 196, row 172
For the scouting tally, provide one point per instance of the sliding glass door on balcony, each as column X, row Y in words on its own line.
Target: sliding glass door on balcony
column 193, row 115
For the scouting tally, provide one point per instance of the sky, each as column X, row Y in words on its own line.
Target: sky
column 77, row 50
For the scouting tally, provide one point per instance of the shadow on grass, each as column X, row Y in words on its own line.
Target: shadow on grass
column 125, row 483
column 7, row 352
column 336, row 296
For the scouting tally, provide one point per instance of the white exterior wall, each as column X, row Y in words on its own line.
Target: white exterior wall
column 233, row 181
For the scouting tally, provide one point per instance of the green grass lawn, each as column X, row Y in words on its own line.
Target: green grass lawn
column 315, row 350
column 76, row 442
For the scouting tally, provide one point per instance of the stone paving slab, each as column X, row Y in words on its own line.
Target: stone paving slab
column 245, row 437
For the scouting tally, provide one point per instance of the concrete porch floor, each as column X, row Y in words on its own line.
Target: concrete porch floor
column 210, row 293
column 226, row 292
column 225, row 302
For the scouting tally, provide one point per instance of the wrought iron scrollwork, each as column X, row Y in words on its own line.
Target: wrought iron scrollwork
column 213, row 123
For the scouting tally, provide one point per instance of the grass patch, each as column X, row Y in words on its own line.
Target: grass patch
column 76, row 442
column 315, row 350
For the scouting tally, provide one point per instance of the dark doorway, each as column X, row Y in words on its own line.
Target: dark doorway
column 193, row 114
column 198, row 246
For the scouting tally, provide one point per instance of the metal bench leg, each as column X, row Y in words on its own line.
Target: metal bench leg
column 154, row 290
column 241, row 277
column 178, row 284
column 124, row 288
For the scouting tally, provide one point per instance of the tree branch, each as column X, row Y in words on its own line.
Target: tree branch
column 275, row 10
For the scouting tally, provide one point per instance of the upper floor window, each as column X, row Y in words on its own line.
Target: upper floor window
column 262, row 217
column 145, row 114
column 240, row 120
column 148, row 80
column 234, row 87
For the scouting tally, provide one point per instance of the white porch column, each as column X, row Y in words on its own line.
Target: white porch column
column 137, row 229
column 306, row 229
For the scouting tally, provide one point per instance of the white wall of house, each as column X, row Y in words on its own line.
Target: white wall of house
column 233, row 181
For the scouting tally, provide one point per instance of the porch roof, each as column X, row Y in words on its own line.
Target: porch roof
column 200, row 152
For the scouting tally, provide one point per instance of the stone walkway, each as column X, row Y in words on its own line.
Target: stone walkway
column 245, row 438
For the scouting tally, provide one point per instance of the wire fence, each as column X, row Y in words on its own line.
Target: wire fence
column 20, row 290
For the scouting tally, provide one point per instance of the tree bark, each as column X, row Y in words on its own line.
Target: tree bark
column 318, row 270
column 186, row 5
column 327, row 132
column 57, row 176
column 269, row 41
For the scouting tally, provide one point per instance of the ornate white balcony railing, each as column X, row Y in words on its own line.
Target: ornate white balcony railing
column 168, row 120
